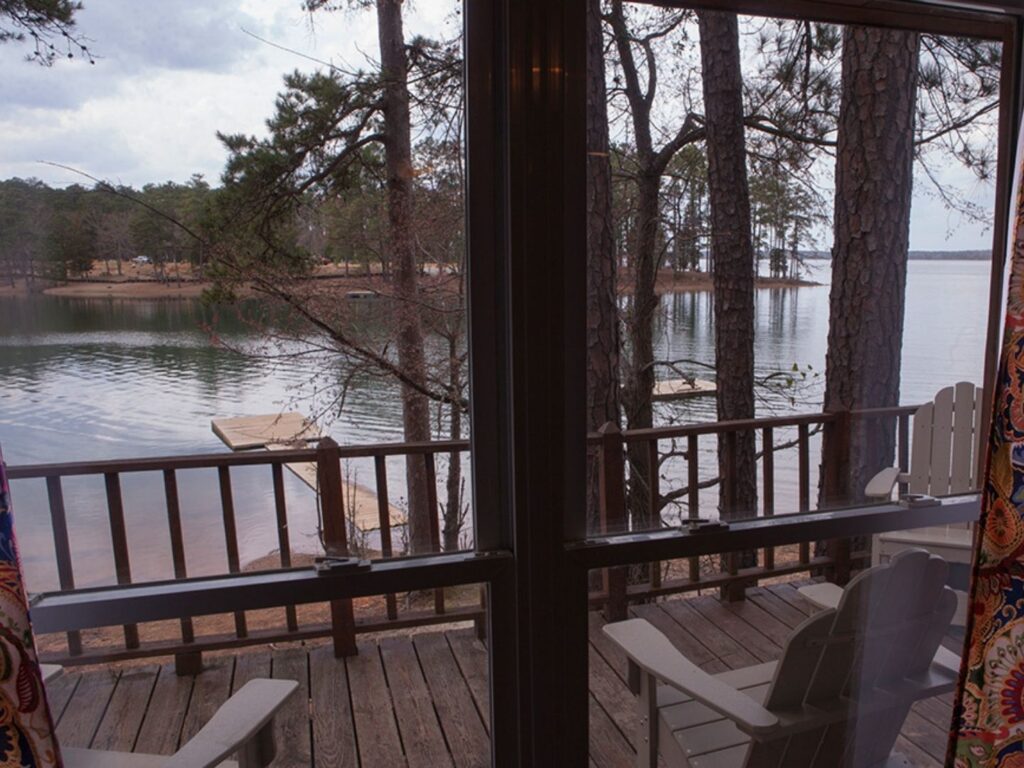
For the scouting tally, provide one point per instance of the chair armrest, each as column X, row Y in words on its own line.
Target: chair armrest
column 653, row 653
column 238, row 720
column 880, row 486
column 823, row 595
column 50, row 672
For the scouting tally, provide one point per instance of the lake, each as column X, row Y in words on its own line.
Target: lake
column 106, row 378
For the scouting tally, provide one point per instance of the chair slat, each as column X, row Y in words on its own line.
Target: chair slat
column 963, row 438
column 799, row 662
column 942, row 441
column 980, row 439
column 920, row 450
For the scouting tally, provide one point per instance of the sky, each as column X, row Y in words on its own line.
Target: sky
column 169, row 74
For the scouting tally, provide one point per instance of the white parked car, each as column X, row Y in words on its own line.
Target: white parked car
column 141, row 259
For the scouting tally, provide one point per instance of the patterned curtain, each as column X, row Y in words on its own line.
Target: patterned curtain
column 26, row 729
column 988, row 719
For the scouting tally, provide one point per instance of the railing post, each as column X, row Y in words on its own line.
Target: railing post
column 335, row 539
column 613, row 512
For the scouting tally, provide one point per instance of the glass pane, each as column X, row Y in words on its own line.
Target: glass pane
column 235, row 254
column 768, row 245
column 283, row 263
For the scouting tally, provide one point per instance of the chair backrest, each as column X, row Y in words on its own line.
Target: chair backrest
column 847, row 676
column 946, row 442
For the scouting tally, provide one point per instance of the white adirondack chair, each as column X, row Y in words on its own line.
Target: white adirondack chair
column 243, row 727
column 946, row 443
column 837, row 697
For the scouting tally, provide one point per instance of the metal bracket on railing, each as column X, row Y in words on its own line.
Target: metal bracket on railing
column 329, row 566
column 704, row 525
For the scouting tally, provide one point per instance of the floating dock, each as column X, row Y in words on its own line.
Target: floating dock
column 284, row 431
column 681, row 389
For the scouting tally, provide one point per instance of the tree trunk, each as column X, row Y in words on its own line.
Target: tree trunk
column 874, row 180
column 602, row 309
column 401, row 254
column 640, row 325
column 733, row 254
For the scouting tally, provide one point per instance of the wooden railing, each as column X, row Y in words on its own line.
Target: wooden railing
column 620, row 588
column 616, row 589
column 328, row 456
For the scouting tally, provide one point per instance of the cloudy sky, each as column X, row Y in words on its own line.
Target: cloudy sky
column 170, row 73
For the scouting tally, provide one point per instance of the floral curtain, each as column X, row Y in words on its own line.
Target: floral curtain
column 26, row 729
column 988, row 719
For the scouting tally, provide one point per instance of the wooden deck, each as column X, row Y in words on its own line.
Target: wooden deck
column 422, row 700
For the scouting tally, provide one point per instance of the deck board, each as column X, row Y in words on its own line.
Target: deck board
column 85, row 710
column 373, row 711
column 460, row 721
column 291, row 726
column 118, row 730
column 334, row 739
column 422, row 700
column 418, row 725
column 211, row 689
column 161, row 727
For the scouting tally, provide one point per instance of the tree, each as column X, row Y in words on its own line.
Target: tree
column 324, row 126
column 602, row 263
column 733, row 255
column 874, row 181
column 650, row 162
column 25, row 214
column 394, row 71
column 71, row 239
column 44, row 21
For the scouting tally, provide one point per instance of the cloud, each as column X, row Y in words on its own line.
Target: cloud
column 131, row 39
column 136, row 35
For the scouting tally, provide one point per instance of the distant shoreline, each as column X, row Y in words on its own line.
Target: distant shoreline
column 147, row 289
column 915, row 255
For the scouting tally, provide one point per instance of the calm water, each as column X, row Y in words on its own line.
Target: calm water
column 93, row 379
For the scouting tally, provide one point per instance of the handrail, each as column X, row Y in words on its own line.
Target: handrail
column 721, row 427
column 221, row 459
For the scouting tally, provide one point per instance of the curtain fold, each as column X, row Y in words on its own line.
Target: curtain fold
column 988, row 716
column 26, row 729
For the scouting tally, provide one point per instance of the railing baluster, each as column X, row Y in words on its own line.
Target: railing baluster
column 62, row 548
column 384, row 520
column 435, row 530
column 283, row 540
column 693, row 482
column 227, row 506
column 654, row 500
column 177, row 542
column 119, row 541
column 768, row 467
column 804, row 483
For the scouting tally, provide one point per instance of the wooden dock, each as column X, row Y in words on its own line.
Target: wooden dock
column 682, row 389
column 284, row 431
column 422, row 700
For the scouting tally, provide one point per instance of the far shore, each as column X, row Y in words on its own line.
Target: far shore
column 137, row 285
